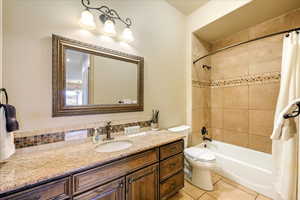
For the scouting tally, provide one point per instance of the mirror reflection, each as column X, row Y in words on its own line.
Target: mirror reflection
column 95, row 79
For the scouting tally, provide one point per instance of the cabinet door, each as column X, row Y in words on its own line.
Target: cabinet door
column 143, row 184
column 114, row 190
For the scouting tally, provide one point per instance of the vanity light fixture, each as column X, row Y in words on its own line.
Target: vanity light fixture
column 108, row 17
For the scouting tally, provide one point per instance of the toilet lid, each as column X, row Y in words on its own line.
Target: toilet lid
column 201, row 154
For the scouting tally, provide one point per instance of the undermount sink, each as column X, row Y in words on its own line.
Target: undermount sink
column 113, row 146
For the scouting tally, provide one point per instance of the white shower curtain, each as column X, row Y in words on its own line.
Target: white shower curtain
column 285, row 152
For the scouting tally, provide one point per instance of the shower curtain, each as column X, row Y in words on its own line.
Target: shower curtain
column 285, row 150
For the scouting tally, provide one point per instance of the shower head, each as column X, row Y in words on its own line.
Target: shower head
column 206, row 67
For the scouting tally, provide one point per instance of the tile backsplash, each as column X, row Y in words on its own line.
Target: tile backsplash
column 40, row 137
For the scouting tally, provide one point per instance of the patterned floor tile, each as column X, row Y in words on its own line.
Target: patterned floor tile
column 225, row 191
column 192, row 190
column 239, row 186
column 261, row 197
column 181, row 195
column 206, row 197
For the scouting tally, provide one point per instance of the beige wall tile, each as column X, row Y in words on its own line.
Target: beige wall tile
column 239, row 139
column 194, row 74
column 216, row 120
column 268, row 58
column 236, row 62
column 195, row 138
column 199, row 47
column 261, row 122
column 195, row 120
column 230, row 63
column 236, row 97
column 266, row 66
column 200, row 118
column 236, row 120
column 271, row 26
column 216, row 98
column 216, row 134
column 293, row 18
column 260, row 143
column 202, row 74
column 201, row 97
column 217, row 64
column 231, row 40
column 263, row 96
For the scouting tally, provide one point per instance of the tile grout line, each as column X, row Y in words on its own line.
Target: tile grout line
column 211, row 195
column 202, row 195
column 224, row 179
column 188, row 194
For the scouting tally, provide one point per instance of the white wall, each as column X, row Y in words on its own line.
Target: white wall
column 212, row 11
column 159, row 30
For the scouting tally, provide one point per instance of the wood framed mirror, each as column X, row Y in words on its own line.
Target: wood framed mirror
column 88, row 79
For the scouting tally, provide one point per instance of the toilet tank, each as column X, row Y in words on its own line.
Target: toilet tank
column 184, row 130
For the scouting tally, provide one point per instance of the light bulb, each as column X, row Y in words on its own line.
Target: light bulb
column 109, row 28
column 87, row 20
column 127, row 35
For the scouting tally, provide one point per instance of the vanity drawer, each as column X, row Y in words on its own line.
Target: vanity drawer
column 95, row 177
column 113, row 190
column 171, row 149
column 171, row 166
column 171, row 185
column 58, row 190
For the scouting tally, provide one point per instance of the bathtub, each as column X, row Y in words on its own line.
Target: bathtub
column 247, row 167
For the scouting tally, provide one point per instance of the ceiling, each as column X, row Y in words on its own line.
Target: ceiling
column 249, row 15
column 187, row 6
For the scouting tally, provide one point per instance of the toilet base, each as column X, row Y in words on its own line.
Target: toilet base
column 202, row 178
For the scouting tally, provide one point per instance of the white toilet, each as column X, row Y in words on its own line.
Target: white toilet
column 199, row 162
column 202, row 161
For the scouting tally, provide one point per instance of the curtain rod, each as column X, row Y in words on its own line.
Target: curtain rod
column 248, row 41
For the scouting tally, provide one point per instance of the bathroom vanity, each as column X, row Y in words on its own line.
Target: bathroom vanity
column 152, row 169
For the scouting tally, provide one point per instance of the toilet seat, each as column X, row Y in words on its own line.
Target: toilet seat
column 200, row 154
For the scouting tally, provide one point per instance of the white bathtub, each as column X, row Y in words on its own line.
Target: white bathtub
column 247, row 167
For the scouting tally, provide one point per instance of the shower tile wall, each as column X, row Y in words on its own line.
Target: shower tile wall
column 241, row 113
column 201, row 95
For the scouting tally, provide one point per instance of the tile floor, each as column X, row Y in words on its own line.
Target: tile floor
column 224, row 189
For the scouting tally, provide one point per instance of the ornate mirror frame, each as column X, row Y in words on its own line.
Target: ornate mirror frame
column 59, row 44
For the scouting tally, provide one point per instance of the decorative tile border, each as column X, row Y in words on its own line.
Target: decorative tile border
column 36, row 140
column 247, row 80
column 201, row 84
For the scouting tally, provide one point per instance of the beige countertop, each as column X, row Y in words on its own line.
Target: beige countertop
column 28, row 168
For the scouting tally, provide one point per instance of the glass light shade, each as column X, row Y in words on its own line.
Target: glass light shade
column 127, row 35
column 109, row 28
column 87, row 20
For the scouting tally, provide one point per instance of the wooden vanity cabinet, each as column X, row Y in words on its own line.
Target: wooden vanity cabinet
column 58, row 190
column 171, row 166
column 143, row 184
column 114, row 190
column 151, row 175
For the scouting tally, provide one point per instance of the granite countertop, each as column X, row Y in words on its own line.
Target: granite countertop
column 28, row 168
